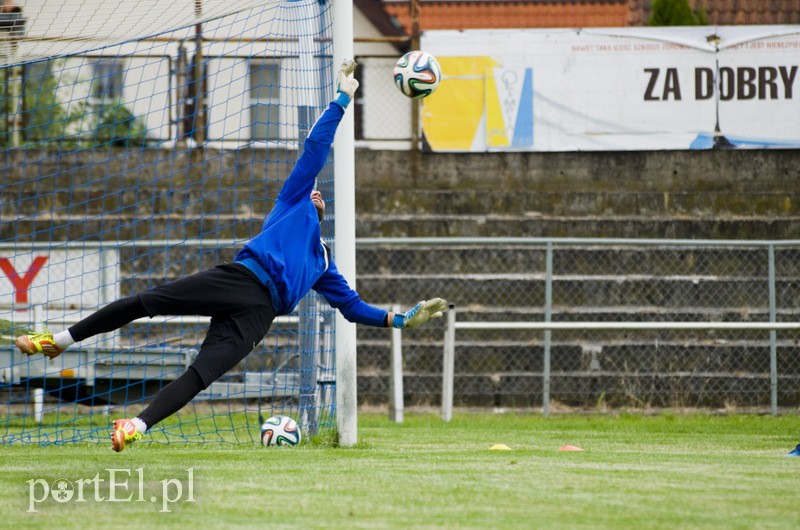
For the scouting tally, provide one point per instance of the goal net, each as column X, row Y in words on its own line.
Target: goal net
column 141, row 142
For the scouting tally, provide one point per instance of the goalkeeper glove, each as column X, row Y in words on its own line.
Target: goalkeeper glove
column 420, row 314
column 346, row 84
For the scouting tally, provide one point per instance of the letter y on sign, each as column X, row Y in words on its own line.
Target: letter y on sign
column 22, row 283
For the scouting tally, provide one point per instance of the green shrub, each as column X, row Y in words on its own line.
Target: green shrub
column 675, row 13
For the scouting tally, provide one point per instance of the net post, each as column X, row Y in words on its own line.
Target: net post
column 773, row 337
column 548, row 333
column 38, row 405
column 396, row 377
column 448, row 364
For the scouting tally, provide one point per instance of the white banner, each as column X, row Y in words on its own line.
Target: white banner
column 615, row 89
column 72, row 278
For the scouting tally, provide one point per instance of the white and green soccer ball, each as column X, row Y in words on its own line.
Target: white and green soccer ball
column 417, row 74
column 280, row 431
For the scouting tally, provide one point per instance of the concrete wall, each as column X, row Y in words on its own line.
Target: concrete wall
column 697, row 194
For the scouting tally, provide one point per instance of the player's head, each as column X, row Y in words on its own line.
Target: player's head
column 316, row 198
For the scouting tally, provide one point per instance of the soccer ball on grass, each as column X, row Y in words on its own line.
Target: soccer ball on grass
column 280, row 431
column 417, row 74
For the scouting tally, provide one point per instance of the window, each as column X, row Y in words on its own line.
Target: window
column 38, row 84
column 36, row 72
column 194, row 91
column 107, row 82
column 42, row 117
column 264, row 100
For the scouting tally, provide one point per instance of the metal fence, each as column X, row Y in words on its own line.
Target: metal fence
column 383, row 116
column 607, row 282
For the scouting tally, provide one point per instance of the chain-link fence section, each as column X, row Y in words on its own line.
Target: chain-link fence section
column 382, row 113
column 591, row 280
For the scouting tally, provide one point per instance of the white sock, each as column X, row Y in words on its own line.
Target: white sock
column 140, row 425
column 63, row 339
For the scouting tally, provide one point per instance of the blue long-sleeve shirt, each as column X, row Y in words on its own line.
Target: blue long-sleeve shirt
column 288, row 256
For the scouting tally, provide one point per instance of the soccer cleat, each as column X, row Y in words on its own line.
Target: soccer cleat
column 795, row 452
column 41, row 342
column 124, row 433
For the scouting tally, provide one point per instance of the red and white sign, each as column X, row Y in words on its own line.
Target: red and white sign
column 76, row 278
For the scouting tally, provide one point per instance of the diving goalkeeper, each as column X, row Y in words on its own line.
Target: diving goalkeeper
column 268, row 278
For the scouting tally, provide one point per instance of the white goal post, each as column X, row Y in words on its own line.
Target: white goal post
column 345, row 229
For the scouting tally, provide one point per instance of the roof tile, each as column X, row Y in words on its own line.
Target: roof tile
column 467, row 14
column 519, row 14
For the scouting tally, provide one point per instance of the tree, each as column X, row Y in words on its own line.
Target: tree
column 45, row 119
column 675, row 13
column 35, row 116
column 117, row 126
column 40, row 117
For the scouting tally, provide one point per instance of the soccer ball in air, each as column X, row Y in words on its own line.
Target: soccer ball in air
column 417, row 74
column 280, row 431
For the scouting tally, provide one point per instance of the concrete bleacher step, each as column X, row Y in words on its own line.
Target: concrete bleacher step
column 572, row 202
column 500, row 225
column 611, row 355
column 226, row 226
column 606, row 290
column 89, row 201
column 571, row 258
column 180, row 223
column 128, row 227
column 743, row 170
column 197, row 199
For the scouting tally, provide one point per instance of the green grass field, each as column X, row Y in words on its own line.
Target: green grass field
column 665, row 471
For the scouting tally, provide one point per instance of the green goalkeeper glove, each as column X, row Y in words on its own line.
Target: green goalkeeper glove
column 420, row 314
column 346, row 84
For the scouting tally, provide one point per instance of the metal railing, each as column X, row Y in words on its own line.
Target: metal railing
column 584, row 321
column 453, row 325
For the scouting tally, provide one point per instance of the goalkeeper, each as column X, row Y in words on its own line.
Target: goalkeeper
column 268, row 278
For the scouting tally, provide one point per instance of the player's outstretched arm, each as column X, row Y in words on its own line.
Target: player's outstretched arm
column 419, row 314
column 341, row 296
column 301, row 181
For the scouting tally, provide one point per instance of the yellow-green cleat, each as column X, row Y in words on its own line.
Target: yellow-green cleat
column 41, row 342
column 124, row 434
